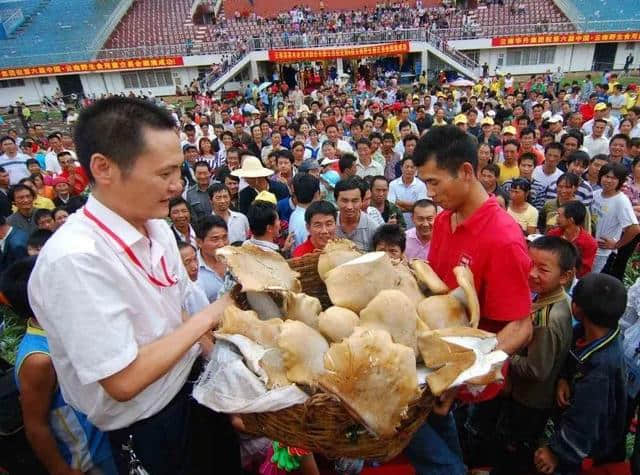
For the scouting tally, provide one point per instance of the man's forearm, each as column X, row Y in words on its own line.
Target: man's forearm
column 629, row 234
column 515, row 335
column 156, row 359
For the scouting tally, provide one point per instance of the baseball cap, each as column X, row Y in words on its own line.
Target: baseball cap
column 460, row 119
column 487, row 121
column 331, row 177
column 509, row 129
column 600, row 106
column 555, row 119
column 308, row 164
column 546, row 115
column 328, row 161
column 266, row 196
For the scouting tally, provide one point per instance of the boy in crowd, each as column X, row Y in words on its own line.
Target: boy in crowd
column 592, row 386
column 47, row 417
column 520, row 418
column 390, row 238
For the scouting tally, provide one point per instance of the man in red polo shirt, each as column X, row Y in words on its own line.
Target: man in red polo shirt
column 320, row 218
column 75, row 176
column 474, row 231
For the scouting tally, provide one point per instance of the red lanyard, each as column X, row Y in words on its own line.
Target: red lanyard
column 131, row 254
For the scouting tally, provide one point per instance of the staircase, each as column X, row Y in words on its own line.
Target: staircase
column 456, row 59
column 210, row 83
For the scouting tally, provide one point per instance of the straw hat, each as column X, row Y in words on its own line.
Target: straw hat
column 252, row 168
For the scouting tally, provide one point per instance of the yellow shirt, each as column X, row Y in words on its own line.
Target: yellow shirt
column 39, row 202
column 508, row 173
column 526, row 219
column 392, row 122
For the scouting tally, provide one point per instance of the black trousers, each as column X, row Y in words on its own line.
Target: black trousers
column 184, row 438
column 622, row 257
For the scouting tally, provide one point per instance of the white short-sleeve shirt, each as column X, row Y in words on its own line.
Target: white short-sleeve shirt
column 98, row 308
column 613, row 215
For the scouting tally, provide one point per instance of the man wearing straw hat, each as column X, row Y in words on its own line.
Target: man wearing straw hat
column 256, row 176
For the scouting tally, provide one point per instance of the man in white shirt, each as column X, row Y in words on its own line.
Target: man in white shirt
column 549, row 172
column 366, row 166
column 596, row 143
column 406, row 190
column 306, row 190
column 14, row 162
column 51, row 158
column 237, row 223
column 341, row 146
column 114, row 323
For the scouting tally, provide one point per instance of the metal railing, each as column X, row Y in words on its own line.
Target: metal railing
column 487, row 31
column 255, row 44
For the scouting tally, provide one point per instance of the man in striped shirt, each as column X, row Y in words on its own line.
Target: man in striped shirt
column 577, row 164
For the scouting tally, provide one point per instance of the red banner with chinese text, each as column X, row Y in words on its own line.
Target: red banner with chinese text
column 101, row 65
column 564, row 38
column 319, row 54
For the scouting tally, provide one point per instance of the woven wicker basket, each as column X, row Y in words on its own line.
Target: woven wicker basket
column 322, row 424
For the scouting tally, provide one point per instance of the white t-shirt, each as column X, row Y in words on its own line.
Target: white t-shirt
column 540, row 176
column 595, row 146
column 98, row 308
column 398, row 191
column 612, row 216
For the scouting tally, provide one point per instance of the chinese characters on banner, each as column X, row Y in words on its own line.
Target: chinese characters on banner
column 319, row 54
column 564, row 38
column 91, row 67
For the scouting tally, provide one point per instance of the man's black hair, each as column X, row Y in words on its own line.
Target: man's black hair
column 14, row 286
column 618, row 170
column 528, row 131
column 376, row 178
column 320, row 207
column 207, row 223
column 558, row 146
column 565, row 251
column 7, row 137
column 579, row 156
column 114, row 127
column 185, row 244
column 346, row 161
column 527, row 156
column 410, row 137
column 363, row 141
column 576, row 134
column 31, row 161
column 201, row 163
column 575, row 210
column 285, row 154
column 449, row 146
column 260, row 215
column 41, row 213
column 569, row 178
column 601, row 298
column 351, row 183
column 38, row 238
column 403, row 124
column 217, row 188
column 305, row 187
column 19, row 187
column 173, row 202
column 424, row 203
column 391, row 234
column 624, row 137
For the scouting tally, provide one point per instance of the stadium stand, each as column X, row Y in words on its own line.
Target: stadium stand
column 55, row 31
column 608, row 15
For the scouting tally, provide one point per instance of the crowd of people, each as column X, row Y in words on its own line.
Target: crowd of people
column 535, row 185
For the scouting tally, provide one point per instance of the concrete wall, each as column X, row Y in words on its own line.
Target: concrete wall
column 31, row 93
column 577, row 57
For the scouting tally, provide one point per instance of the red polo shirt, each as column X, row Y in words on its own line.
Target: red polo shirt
column 491, row 243
column 303, row 249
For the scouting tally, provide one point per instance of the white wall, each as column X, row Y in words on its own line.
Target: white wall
column 577, row 57
column 31, row 93
column 621, row 55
